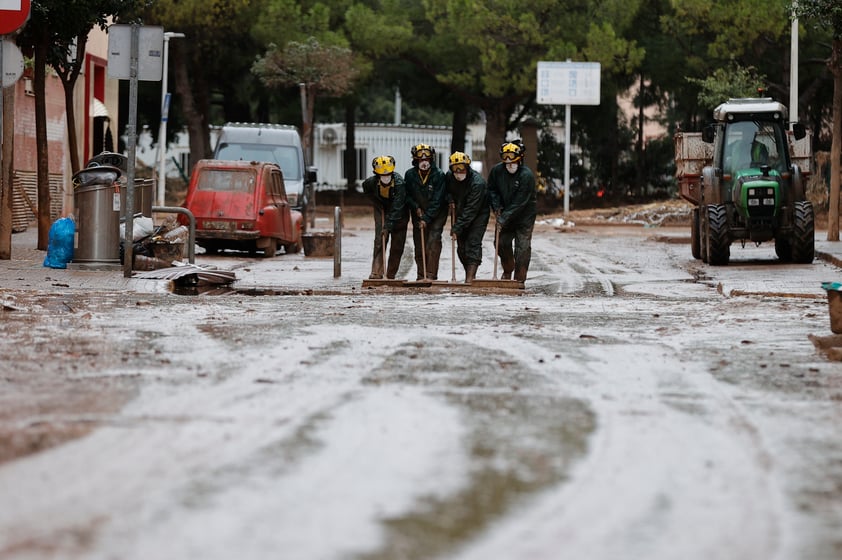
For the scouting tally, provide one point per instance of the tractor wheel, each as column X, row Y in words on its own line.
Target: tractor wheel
column 803, row 233
column 783, row 248
column 718, row 239
column 695, row 235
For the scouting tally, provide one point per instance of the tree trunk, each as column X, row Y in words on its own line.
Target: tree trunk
column 7, row 158
column 68, row 76
column 41, row 148
column 72, row 141
column 351, row 171
column 307, row 121
column 495, row 134
column 836, row 144
column 640, row 187
column 199, row 141
column 459, row 129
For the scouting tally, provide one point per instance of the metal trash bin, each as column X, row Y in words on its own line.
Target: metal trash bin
column 97, row 215
column 143, row 198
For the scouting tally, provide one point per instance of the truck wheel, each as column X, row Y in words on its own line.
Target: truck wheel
column 803, row 233
column 718, row 239
column 695, row 234
column 271, row 248
column 292, row 248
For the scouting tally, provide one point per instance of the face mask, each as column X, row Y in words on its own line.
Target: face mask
column 511, row 168
column 385, row 179
column 460, row 176
column 424, row 165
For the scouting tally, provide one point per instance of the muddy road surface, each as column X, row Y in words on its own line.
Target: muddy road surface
column 631, row 402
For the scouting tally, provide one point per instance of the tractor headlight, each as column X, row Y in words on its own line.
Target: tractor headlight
column 754, row 202
column 751, row 192
column 768, row 201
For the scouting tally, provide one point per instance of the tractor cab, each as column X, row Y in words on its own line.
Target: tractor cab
column 755, row 160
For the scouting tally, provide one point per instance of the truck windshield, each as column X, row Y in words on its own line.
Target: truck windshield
column 285, row 156
column 751, row 144
column 227, row 180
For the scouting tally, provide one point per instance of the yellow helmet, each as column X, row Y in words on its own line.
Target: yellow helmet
column 420, row 151
column 383, row 165
column 511, row 152
column 459, row 159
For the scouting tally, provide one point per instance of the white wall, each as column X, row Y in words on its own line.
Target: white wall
column 374, row 140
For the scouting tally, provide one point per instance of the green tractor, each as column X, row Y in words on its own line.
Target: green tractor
column 748, row 188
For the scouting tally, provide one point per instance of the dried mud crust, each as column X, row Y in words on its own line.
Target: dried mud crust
column 49, row 389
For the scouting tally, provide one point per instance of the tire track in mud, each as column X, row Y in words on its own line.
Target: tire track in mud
column 575, row 270
column 519, row 441
column 643, row 488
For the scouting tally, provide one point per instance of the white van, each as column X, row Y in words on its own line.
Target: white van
column 272, row 143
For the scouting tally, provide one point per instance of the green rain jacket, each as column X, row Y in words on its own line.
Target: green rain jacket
column 431, row 197
column 391, row 198
column 514, row 195
column 471, row 200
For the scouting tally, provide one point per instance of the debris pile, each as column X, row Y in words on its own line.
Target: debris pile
column 158, row 247
column 664, row 213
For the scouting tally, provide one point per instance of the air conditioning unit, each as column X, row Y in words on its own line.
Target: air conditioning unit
column 328, row 136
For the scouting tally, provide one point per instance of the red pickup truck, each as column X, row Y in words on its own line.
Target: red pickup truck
column 243, row 206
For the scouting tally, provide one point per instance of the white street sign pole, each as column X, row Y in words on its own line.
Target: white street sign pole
column 568, row 83
column 165, row 111
column 567, row 126
column 793, row 67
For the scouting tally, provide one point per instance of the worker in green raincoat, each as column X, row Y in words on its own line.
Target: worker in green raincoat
column 511, row 188
column 469, row 212
column 387, row 192
column 426, row 197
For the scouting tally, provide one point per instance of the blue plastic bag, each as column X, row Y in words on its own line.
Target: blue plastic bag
column 60, row 246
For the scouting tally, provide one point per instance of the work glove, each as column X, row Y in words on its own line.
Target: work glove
column 419, row 212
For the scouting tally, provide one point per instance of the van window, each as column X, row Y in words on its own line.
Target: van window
column 285, row 156
column 227, row 180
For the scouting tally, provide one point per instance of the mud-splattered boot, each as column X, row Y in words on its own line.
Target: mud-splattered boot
column 520, row 273
column 470, row 273
column 433, row 257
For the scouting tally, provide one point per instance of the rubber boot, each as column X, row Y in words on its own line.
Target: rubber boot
column 507, row 275
column 434, row 255
column 520, row 273
column 392, row 265
column 470, row 273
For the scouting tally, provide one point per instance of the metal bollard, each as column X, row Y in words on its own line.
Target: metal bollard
column 337, row 242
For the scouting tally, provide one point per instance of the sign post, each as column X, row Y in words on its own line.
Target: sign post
column 134, row 53
column 13, row 15
column 568, row 83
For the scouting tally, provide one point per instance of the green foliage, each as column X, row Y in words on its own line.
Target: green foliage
column 724, row 83
column 617, row 55
column 822, row 13
column 327, row 69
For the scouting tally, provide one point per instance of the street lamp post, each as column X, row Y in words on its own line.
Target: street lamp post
column 165, row 110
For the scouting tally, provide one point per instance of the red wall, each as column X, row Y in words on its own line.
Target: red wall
column 25, row 156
